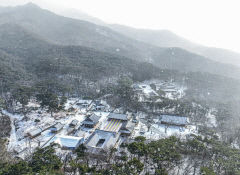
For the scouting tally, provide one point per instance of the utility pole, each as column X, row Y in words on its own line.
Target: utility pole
column 1, row 87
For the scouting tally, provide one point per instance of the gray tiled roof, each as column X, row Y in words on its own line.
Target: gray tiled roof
column 74, row 122
column 177, row 120
column 84, row 101
column 34, row 132
column 92, row 119
column 128, row 126
column 58, row 126
column 95, row 118
column 118, row 116
column 100, row 103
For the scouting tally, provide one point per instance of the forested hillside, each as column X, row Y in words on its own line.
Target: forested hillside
column 25, row 56
column 66, row 31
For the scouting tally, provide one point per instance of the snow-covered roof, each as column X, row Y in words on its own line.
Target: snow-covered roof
column 84, row 102
column 137, row 87
column 128, row 126
column 58, row 126
column 169, row 90
column 142, row 130
column 102, row 139
column 69, row 141
column 34, row 132
column 176, row 120
column 74, row 122
column 93, row 119
column 100, row 103
column 70, row 130
column 118, row 116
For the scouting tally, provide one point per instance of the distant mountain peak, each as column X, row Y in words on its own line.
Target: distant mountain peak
column 30, row 5
column 78, row 14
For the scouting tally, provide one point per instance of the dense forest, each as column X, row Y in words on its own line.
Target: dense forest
column 162, row 157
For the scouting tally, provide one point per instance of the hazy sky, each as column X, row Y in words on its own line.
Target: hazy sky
column 209, row 22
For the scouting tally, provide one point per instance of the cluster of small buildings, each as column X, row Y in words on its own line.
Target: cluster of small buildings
column 115, row 127
column 97, row 105
column 101, row 135
column 37, row 132
column 144, row 92
column 147, row 91
column 97, row 127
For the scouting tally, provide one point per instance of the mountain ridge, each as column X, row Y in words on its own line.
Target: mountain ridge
column 64, row 31
column 166, row 38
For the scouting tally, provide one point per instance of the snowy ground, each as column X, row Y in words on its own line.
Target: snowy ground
column 147, row 89
column 159, row 131
column 13, row 137
column 211, row 119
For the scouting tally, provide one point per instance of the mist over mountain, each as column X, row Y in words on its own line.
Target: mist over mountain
column 163, row 38
column 66, row 31
column 77, row 14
